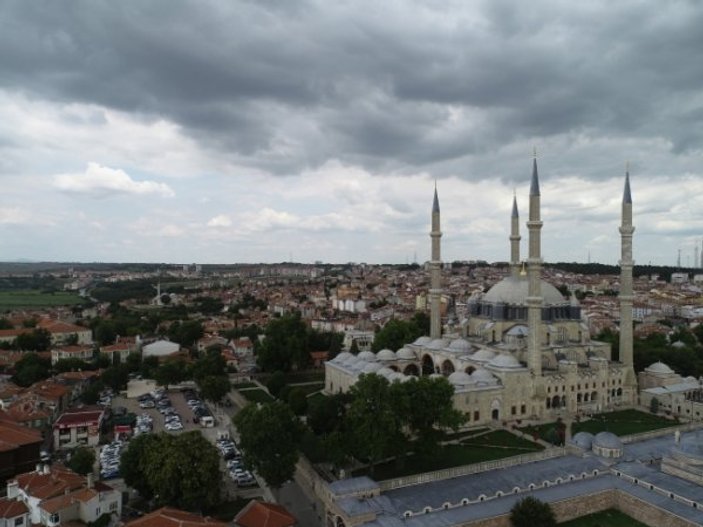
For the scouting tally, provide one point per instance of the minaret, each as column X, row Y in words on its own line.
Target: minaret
column 534, row 266
column 514, row 241
column 626, row 264
column 435, row 272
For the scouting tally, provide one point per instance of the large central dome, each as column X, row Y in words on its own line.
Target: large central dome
column 513, row 290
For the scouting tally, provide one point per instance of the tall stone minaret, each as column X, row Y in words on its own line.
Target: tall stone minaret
column 514, row 241
column 534, row 266
column 435, row 272
column 626, row 264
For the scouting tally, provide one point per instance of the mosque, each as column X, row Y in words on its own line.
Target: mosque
column 523, row 352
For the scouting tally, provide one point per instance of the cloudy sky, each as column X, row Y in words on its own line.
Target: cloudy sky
column 259, row 131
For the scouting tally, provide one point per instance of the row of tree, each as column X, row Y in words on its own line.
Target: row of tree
column 374, row 421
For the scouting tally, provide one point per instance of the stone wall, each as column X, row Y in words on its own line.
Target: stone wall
column 577, row 507
column 649, row 514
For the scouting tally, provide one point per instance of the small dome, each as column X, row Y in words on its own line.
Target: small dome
column 437, row 344
column 583, row 440
column 607, row 440
column 367, row 356
column 518, row 330
column 505, row 361
column 691, row 446
column 460, row 345
column 396, row 376
column 422, row 341
column 436, row 376
column 385, row 372
column 342, row 357
column 371, row 367
column 405, row 354
column 385, row 354
column 358, row 366
column 459, row 378
column 483, row 355
column 482, row 375
column 659, row 367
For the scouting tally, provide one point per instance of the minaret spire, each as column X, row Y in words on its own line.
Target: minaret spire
column 435, row 272
column 534, row 267
column 626, row 294
column 514, row 240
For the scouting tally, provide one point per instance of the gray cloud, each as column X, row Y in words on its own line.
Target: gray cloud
column 282, row 86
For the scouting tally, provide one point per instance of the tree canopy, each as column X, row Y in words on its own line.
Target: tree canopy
column 270, row 438
column 30, row 369
column 82, row 461
column 531, row 512
column 177, row 470
column 396, row 333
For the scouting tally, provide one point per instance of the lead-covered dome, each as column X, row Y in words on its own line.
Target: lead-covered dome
column 460, row 345
column 483, row 355
column 385, row 355
column 422, row 341
column 371, row 367
column 405, row 354
column 659, row 367
column 512, row 290
column 505, row 361
column 583, row 440
column 342, row 357
column 460, row 378
column 368, row 356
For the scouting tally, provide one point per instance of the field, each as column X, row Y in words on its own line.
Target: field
column 624, row 422
column 35, row 299
column 607, row 518
column 494, row 445
column 256, row 395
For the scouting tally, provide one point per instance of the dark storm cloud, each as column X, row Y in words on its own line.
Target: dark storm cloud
column 285, row 85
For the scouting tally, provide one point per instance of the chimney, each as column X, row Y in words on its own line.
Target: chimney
column 89, row 480
column 47, row 469
column 39, row 468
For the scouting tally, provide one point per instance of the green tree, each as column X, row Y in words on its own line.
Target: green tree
column 5, row 324
column 30, row 369
column 35, row 340
column 326, row 413
column 133, row 362
column 116, row 377
column 214, row 387
column 186, row 332
column 72, row 364
column 178, row 470
column 276, row 383
column 210, row 364
column 531, row 512
column 285, row 345
column 149, row 366
column 373, row 424
column 298, row 400
column 91, row 394
column 82, row 461
column 426, row 406
column 270, row 438
column 170, row 372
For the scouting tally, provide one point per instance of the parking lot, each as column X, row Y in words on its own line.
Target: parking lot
column 177, row 402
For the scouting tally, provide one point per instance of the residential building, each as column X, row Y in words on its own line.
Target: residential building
column 78, row 427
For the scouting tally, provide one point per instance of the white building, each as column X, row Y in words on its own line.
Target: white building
column 160, row 348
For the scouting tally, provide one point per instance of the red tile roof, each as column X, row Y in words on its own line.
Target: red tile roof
column 261, row 514
column 12, row 508
column 58, row 481
column 13, row 435
column 170, row 517
column 79, row 416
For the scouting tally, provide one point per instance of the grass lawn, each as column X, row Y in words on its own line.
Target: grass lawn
column 607, row 518
column 243, row 385
column 309, row 388
column 447, row 456
column 503, row 438
column 256, row 396
column 226, row 511
column 623, row 422
column 461, row 435
column 540, row 430
column 19, row 299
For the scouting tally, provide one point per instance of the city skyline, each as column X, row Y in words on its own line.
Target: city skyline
column 223, row 132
